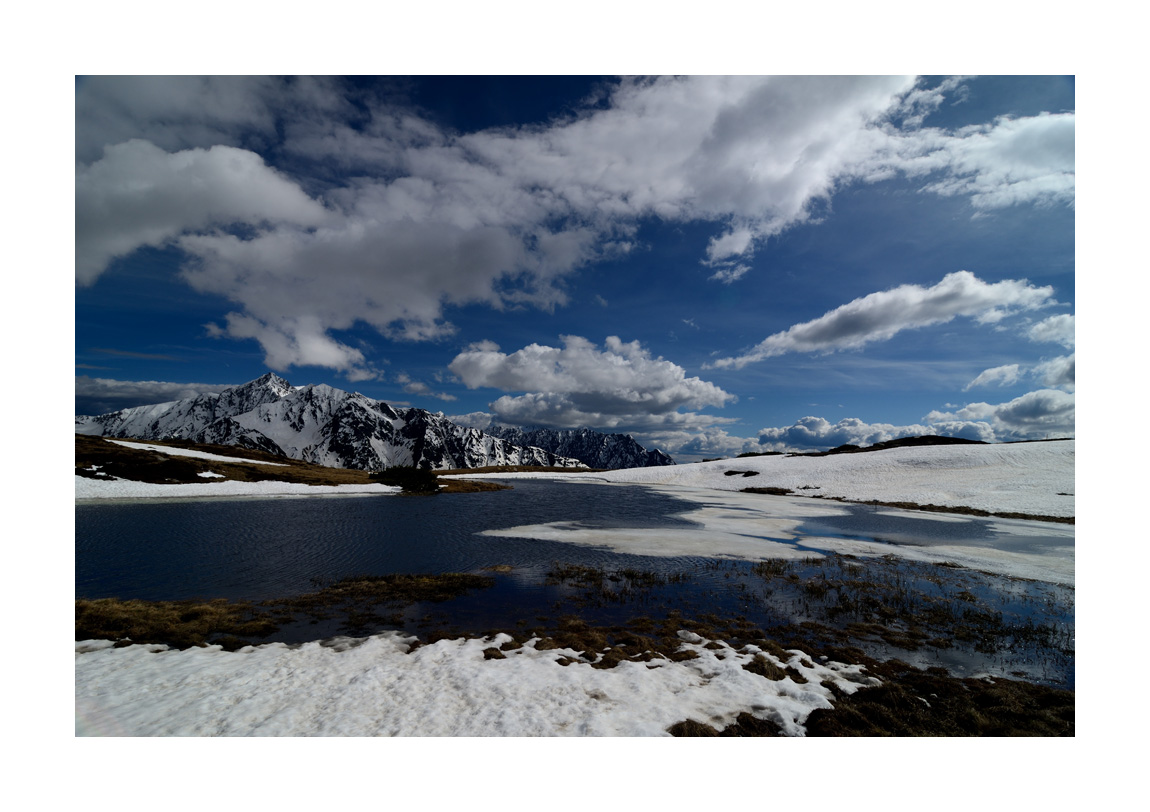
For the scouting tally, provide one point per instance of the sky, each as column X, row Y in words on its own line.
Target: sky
column 712, row 264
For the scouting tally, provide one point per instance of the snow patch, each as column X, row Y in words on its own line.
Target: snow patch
column 125, row 489
column 381, row 687
column 187, row 452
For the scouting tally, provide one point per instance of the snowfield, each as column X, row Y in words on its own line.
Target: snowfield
column 1031, row 478
column 87, row 489
column 377, row 686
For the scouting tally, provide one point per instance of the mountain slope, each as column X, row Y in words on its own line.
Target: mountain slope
column 593, row 448
column 320, row 424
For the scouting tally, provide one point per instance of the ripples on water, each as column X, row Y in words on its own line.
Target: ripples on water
column 257, row 549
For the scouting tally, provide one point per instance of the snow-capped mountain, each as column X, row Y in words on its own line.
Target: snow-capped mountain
column 593, row 448
column 320, row 424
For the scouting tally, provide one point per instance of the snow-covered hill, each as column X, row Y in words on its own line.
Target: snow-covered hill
column 320, row 424
column 1030, row 478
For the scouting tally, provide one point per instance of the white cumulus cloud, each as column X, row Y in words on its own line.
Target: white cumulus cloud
column 1003, row 376
column 1035, row 415
column 1056, row 329
column 880, row 316
column 580, row 384
column 1057, row 372
column 297, row 341
column 138, row 195
column 414, row 387
column 1011, row 161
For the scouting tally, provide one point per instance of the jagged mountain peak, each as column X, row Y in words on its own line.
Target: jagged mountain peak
column 270, row 381
column 594, row 448
column 319, row 423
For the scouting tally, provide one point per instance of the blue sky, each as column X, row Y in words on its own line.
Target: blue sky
column 712, row 264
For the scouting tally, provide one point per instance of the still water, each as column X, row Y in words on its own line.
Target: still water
column 255, row 549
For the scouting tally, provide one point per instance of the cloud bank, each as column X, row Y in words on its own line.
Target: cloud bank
column 1035, row 415
column 236, row 174
column 102, row 395
column 1042, row 414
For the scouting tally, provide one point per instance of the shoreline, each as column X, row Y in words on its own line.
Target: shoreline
column 671, row 674
column 469, row 485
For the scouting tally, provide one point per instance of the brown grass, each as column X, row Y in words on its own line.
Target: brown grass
column 183, row 624
column 390, row 589
column 180, row 624
column 140, row 465
column 965, row 511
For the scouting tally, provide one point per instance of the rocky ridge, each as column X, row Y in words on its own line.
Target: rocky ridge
column 320, row 424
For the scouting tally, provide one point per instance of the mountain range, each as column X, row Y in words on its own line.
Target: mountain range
column 593, row 448
column 318, row 423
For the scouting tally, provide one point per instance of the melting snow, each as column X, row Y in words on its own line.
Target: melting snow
column 126, row 489
column 377, row 686
column 1032, row 478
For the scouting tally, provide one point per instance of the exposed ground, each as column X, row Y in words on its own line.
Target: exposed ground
column 100, row 458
